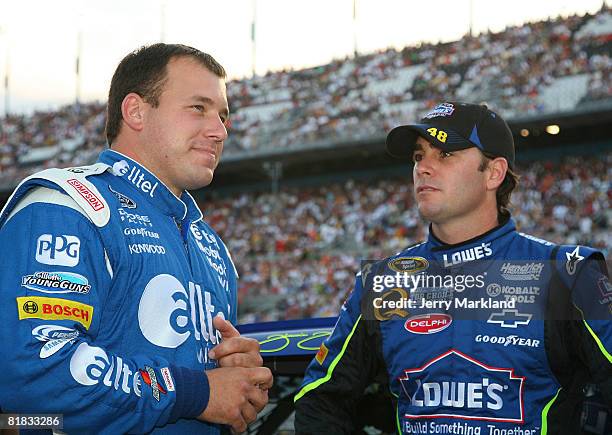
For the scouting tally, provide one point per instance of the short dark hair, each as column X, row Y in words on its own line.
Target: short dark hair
column 505, row 189
column 144, row 72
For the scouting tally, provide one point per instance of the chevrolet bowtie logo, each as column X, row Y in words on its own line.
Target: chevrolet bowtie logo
column 573, row 259
column 510, row 318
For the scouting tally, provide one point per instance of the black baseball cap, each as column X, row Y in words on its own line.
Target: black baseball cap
column 455, row 126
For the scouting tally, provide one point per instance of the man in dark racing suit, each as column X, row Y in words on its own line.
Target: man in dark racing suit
column 480, row 329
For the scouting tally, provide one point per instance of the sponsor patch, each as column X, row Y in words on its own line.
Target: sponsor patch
column 476, row 253
column 60, row 250
column 124, row 200
column 134, row 218
column 165, row 371
column 455, row 385
column 509, row 340
column 428, row 323
column 444, row 109
column 395, row 301
column 408, row 264
column 321, row 354
column 150, row 378
column 509, row 318
column 135, row 176
column 605, row 288
column 520, row 294
column 521, row 272
column 56, row 282
column 146, row 248
column 35, row 307
column 96, row 203
column 573, row 259
column 55, row 338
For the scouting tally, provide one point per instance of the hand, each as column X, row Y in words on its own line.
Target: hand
column 234, row 350
column 237, row 394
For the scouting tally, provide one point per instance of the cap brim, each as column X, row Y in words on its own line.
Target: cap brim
column 401, row 140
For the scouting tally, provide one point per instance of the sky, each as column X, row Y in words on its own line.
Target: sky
column 39, row 39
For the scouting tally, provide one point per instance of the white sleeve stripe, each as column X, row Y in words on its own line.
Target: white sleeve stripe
column 47, row 196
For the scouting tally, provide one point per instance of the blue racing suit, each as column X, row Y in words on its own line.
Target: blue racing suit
column 109, row 285
column 497, row 335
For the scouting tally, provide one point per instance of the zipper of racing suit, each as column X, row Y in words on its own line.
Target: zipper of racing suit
column 179, row 225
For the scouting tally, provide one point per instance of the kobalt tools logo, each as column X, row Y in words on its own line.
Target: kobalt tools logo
column 91, row 365
column 55, row 338
column 471, row 254
column 455, row 385
column 135, row 176
column 56, row 282
column 428, row 323
column 520, row 294
column 91, row 198
column 168, row 314
column 60, row 250
column 521, row 272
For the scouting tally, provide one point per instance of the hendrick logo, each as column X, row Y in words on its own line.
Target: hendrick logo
column 428, row 323
column 470, row 254
column 521, row 272
column 480, row 392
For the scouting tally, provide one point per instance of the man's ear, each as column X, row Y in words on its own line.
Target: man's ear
column 497, row 172
column 132, row 110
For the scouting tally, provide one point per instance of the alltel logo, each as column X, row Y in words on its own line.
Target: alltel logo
column 428, row 323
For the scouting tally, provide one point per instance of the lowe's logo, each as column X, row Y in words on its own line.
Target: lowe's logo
column 455, row 385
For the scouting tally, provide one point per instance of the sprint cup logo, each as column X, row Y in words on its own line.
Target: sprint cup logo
column 455, row 385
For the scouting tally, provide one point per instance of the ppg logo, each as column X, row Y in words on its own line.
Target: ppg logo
column 58, row 250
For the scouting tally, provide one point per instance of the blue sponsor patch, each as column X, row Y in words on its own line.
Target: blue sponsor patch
column 455, row 385
column 56, row 282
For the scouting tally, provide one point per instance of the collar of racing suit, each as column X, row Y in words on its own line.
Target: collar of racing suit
column 152, row 189
column 480, row 247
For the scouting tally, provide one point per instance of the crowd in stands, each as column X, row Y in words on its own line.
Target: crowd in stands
column 551, row 65
column 297, row 251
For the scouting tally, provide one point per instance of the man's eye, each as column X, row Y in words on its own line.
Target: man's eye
column 445, row 154
column 417, row 157
column 198, row 108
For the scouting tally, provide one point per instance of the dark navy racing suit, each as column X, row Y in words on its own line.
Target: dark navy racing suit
column 502, row 334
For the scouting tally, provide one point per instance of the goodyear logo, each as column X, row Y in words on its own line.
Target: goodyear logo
column 408, row 264
column 34, row 307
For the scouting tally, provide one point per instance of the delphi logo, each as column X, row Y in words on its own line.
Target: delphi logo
column 135, row 176
column 481, row 392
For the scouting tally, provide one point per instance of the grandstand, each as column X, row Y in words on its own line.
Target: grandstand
column 305, row 188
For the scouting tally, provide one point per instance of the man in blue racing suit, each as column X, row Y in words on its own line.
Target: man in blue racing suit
column 480, row 329
column 117, row 299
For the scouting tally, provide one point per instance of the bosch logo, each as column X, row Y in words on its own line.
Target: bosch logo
column 30, row 307
column 58, row 250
